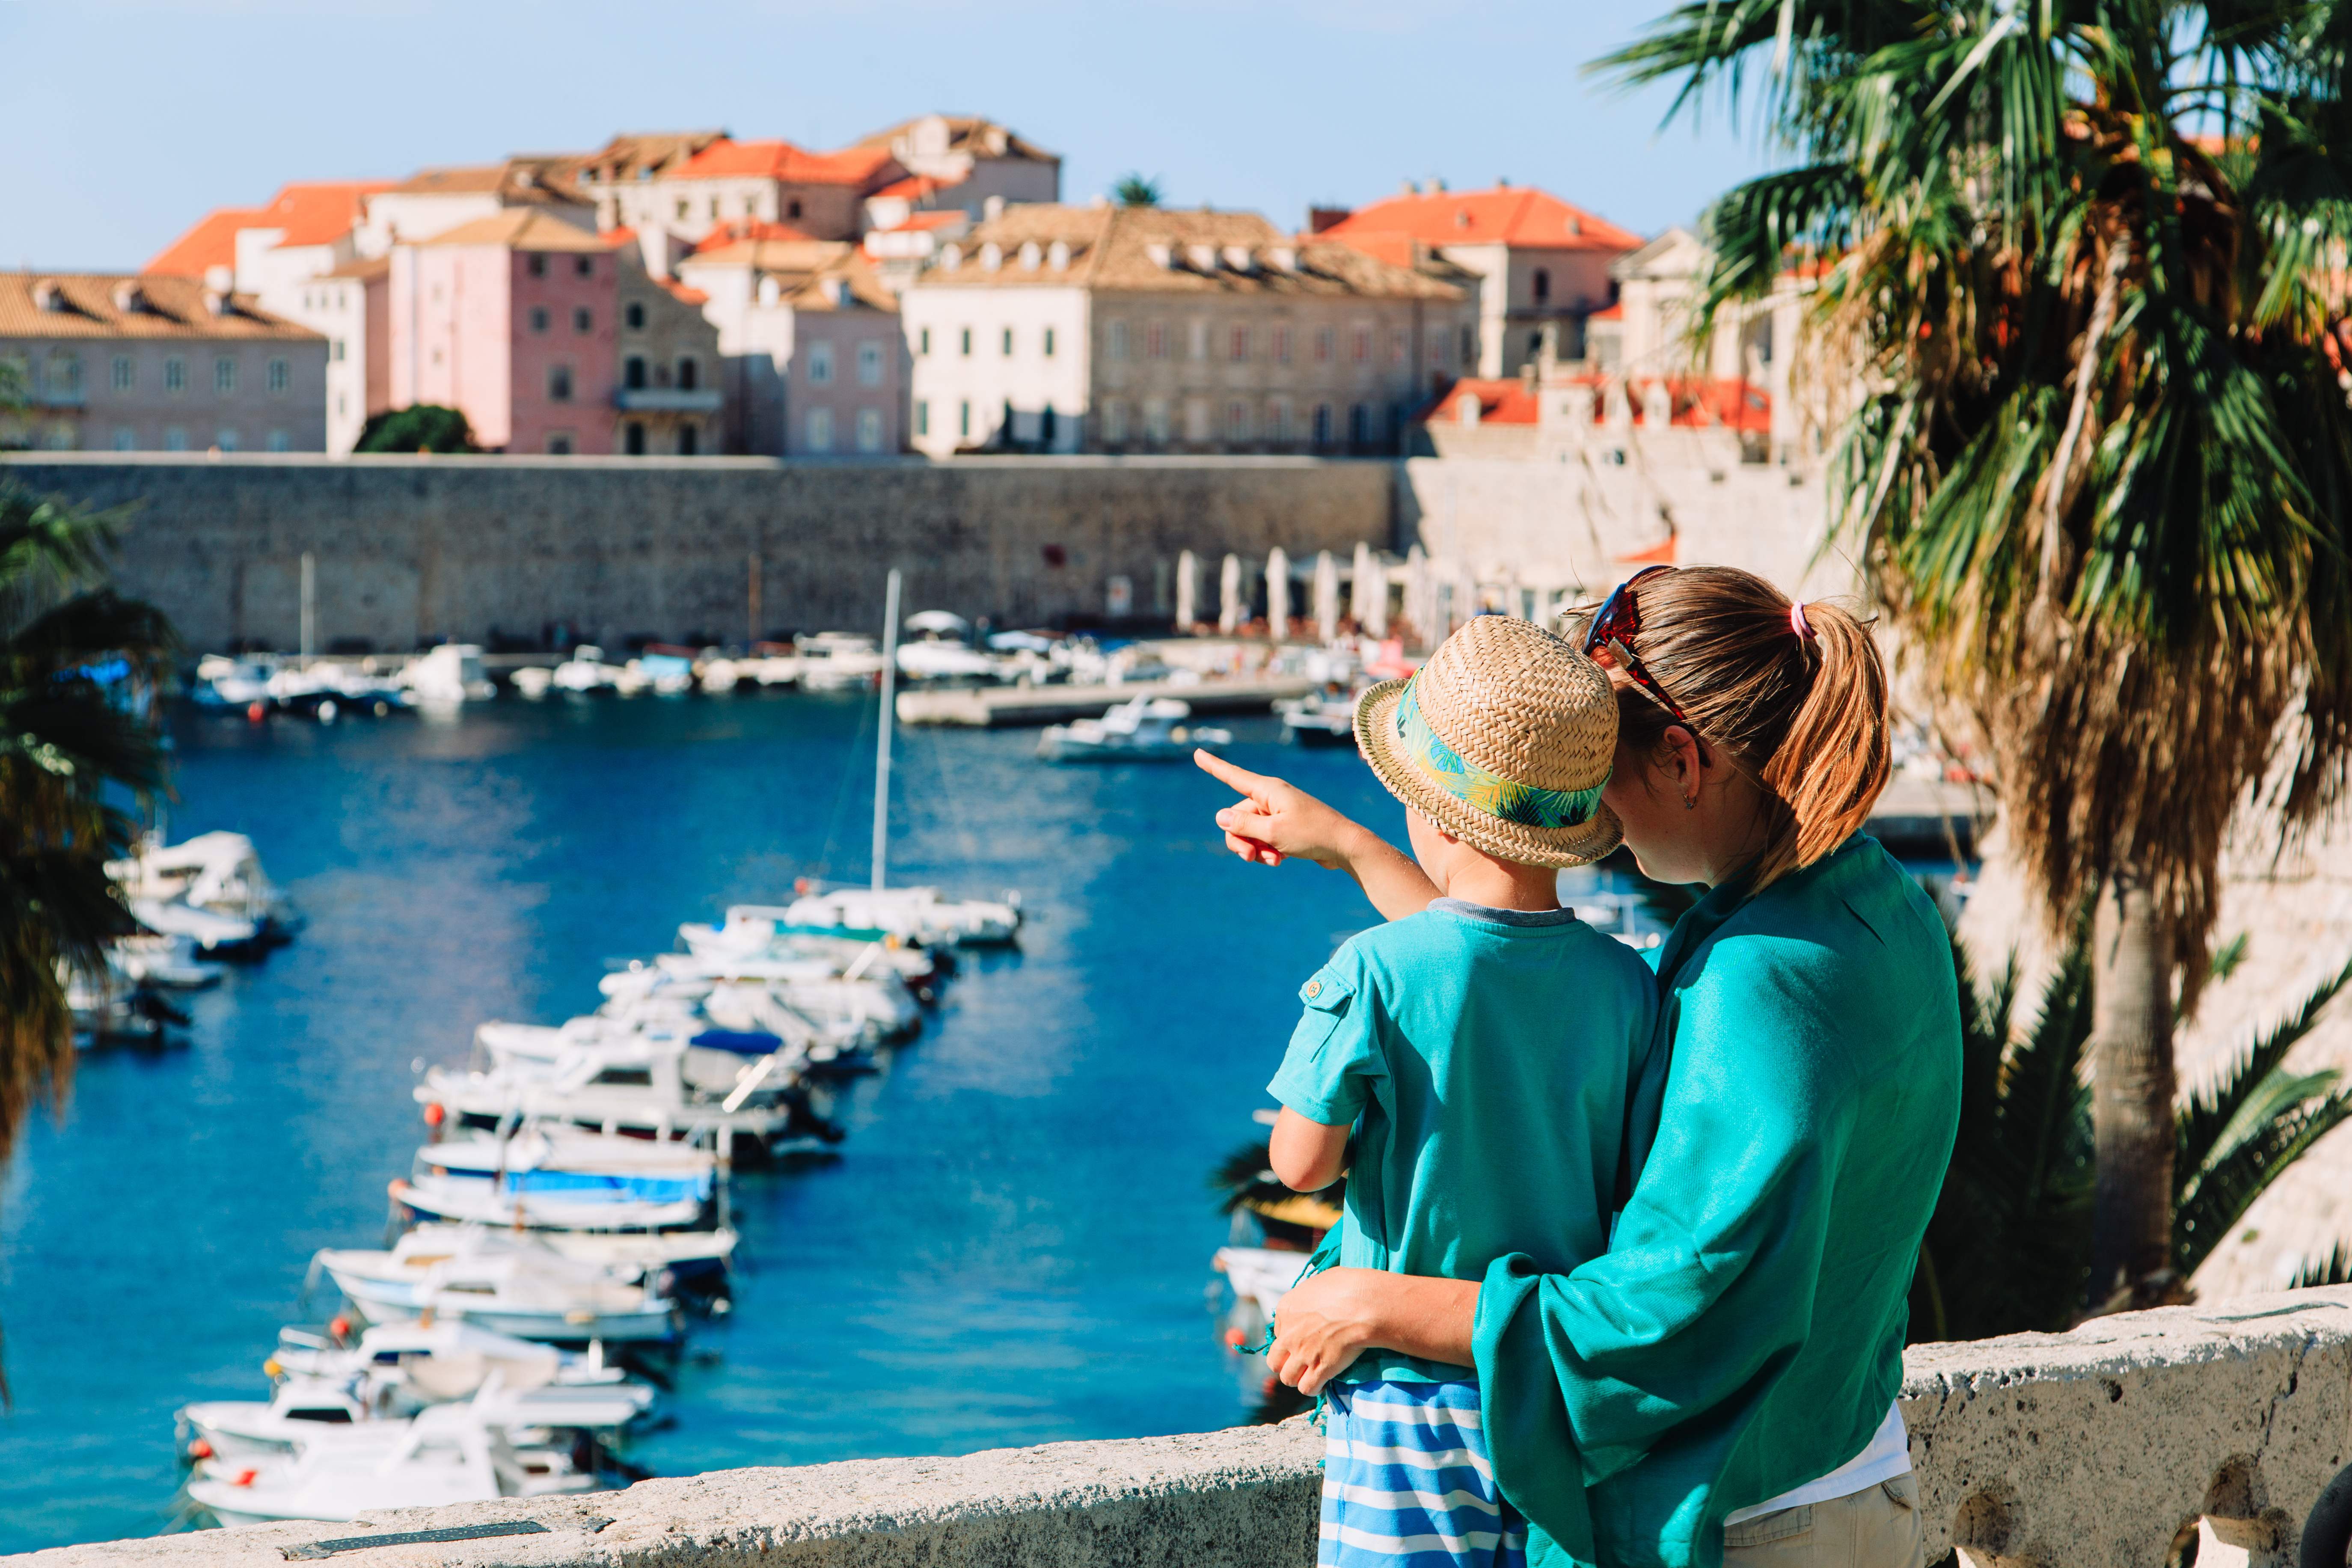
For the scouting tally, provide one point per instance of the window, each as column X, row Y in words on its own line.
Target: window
column 65, row 377
column 176, row 438
column 1437, row 345
column 1155, row 421
column 963, row 419
column 967, row 343
column 922, row 418
column 1535, row 342
column 126, row 377
column 923, row 341
column 223, row 375
column 714, row 209
column 1400, row 346
column 1237, row 345
column 1196, row 420
column 583, row 267
column 633, row 372
column 1277, row 421
column 335, row 350
column 126, row 439
column 342, row 403
column 60, row 439
column 793, row 209
column 1360, row 348
column 1469, row 349
column 282, row 376
column 226, row 439
column 869, row 429
column 1543, row 286
column 820, row 429
column 1322, row 424
column 1155, row 341
column 1114, row 425
column 559, row 444
column 689, row 440
column 869, row 364
column 1049, row 343
column 820, row 364
column 685, row 208
column 1281, row 346
column 1237, row 421
column 275, row 441
column 634, row 316
column 1199, row 340
column 1118, row 340
column 583, row 319
column 536, row 264
column 1008, row 340
column 689, row 373
column 632, row 437
column 559, row 383
column 539, row 317
column 1322, row 345
column 1359, row 424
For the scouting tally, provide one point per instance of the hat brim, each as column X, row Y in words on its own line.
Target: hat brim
column 1522, row 845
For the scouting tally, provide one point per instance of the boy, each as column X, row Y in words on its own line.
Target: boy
column 1483, row 1049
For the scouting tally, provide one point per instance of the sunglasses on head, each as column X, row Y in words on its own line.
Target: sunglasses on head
column 1609, row 635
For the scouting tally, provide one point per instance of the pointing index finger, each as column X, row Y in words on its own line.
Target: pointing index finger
column 1247, row 783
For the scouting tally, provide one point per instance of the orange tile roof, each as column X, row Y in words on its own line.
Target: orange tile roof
column 211, row 242
column 685, row 295
column 1500, row 402
column 1512, row 214
column 523, row 228
column 163, row 305
column 1731, row 404
column 1614, row 313
column 728, row 234
column 913, row 188
column 318, row 213
column 786, row 163
column 930, row 220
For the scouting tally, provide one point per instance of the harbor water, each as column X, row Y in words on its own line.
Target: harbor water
column 1013, row 1247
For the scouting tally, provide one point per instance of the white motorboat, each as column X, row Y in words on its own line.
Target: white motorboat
column 586, row 671
column 559, row 1179
column 669, row 1258
column 1141, row 730
column 449, row 673
column 447, row 1454
column 532, row 680
column 213, row 874
column 500, row 1282
column 170, row 962
column 225, row 682
column 364, row 1408
column 829, row 661
column 941, row 650
column 910, row 914
column 800, row 1000
column 1260, row 1274
column 1319, row 718
column 747, row 942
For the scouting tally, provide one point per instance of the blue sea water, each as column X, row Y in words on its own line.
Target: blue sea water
column 1013, row 1247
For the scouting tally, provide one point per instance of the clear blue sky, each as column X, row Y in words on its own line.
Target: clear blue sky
column 139, row 115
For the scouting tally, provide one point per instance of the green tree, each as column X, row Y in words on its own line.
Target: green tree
column 2084, row 283
column 1136, row 191
column 79, row 665
column 419, row 427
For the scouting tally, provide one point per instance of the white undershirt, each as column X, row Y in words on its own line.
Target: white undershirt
column 1887, row 1456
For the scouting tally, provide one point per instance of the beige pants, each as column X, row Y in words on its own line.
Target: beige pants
column 1875, row 1528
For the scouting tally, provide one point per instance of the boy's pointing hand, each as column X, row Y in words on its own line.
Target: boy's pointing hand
column 1274, row 821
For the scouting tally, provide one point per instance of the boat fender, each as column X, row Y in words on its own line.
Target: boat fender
column 271, row 1368
column 434, row 1114
column 340, row 1328
column 246, row 1478
column 200, row 1450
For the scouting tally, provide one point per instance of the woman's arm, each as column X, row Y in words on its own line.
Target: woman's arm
column 1331, row 1319
column 1306, row 1156
column 1274, row 821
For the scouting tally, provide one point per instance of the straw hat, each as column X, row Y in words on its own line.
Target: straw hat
column 1503, row 739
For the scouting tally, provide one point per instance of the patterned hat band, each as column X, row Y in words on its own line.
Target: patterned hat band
column 1529, row 806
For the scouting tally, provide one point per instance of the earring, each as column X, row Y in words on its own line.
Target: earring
column 1690, row 802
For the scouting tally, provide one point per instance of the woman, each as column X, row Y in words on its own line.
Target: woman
column 1720, row 1386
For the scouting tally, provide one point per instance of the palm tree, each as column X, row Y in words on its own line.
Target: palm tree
column 79, row 665
column 2085, row 283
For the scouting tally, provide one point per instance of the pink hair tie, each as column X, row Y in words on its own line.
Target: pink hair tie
column 1797, row 621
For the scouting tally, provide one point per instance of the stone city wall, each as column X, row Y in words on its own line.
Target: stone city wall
column 414, row 550
column 2100, row 1449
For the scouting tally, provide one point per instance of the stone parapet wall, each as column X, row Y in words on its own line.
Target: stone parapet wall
column 411, row 550
column 2094, row 1450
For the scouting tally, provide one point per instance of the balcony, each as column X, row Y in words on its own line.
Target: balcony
column 2104, row 1448
column 665, row 400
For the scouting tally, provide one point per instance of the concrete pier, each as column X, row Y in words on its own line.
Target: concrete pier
column 1002, row 707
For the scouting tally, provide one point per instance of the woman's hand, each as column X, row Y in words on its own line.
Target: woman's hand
column 1274, row 821
column 1329, row 1321
column 1323, row 1325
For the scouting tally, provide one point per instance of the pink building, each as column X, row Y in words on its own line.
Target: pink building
column 513, row 319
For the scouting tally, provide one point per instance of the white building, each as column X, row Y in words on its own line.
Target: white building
column 1138, row 330
column 958, row 162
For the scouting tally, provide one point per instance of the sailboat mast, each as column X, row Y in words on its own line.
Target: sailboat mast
column 888, row 723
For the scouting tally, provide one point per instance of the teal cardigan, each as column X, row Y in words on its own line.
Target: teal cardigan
column 1744, row 1333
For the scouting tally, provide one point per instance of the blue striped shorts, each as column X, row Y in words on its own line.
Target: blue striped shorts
column 1407, row 1482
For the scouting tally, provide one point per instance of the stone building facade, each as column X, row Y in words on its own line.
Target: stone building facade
column 1059, row 328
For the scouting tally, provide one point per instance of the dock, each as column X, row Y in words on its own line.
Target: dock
column 1008, row 707
column 1914, row 814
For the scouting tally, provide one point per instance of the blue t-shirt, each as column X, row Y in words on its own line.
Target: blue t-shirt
column 1488, row 1053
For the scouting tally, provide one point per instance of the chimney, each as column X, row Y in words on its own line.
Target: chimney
column 1320, row 218
column 991, row 209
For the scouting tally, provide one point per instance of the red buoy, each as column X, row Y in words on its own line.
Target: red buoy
column 255, row 712
column 434, row 1114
